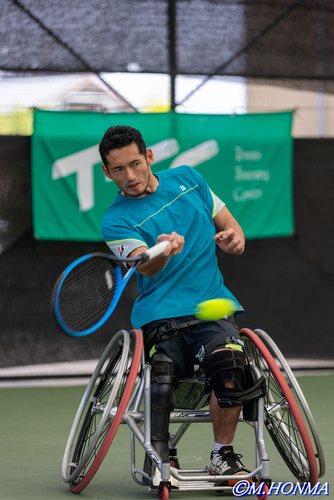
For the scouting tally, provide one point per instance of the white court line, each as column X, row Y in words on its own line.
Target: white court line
column 69, row 368
column 45, row 382
column 74, row 373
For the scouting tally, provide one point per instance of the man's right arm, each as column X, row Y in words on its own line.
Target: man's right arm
column 154, row 266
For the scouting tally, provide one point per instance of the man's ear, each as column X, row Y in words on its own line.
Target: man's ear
column 106, row 171
column 150, row 157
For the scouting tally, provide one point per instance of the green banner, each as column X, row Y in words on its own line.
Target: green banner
column 246, row 160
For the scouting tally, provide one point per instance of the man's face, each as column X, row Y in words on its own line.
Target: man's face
column 131, row 170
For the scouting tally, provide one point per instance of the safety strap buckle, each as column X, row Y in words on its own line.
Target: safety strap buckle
column 168, row 328
column 161, row 333
column 168, row 331
column 201, row 354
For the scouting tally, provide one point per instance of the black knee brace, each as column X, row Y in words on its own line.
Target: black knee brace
column 165, row 378
column 226, row 365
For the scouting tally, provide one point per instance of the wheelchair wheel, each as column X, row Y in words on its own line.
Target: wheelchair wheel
column 298, row 395
column 101, row 409
column 283, row 418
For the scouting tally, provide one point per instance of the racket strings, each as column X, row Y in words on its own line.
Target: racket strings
column 86, row 293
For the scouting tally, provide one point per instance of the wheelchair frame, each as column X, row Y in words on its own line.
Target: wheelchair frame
column 123, row 386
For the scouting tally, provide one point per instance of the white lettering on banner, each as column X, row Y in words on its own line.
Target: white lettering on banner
column 82, row 164
column 240, row 195
column 197, row 155
column 165, row 149
column 241, row 155
column 251, row 175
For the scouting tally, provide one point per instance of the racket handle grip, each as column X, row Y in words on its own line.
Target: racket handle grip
column 155, row 251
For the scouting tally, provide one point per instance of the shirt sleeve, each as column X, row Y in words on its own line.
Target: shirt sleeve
column 218, row 205
column 120, row 237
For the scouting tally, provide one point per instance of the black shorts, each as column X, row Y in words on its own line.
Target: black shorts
column 183, row 347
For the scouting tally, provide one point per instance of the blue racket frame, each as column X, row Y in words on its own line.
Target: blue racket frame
column 120, row 285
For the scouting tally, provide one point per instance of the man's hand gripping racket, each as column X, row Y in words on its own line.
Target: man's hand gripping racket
column 87, row 292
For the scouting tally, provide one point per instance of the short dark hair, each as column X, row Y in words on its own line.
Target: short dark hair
column 118, row 137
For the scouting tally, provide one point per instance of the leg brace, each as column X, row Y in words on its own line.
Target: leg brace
column 165, row 378
column 222, row 366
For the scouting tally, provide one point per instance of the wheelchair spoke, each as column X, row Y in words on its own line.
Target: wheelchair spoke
column 286, row 433
column 101, row 397
column 94, row 426
column 283, row 422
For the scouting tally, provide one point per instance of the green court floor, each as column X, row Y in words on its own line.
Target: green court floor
column 35, row 423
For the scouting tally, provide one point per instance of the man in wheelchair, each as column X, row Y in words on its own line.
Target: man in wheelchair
column 221, row 356
column 177, row 205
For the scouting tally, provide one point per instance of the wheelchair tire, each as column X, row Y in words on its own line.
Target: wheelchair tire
column 264, row 494
column 101, row 409
column 164, row 495
column 282, row 416
column 298, row 395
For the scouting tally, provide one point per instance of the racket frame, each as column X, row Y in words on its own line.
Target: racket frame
column 120, row 284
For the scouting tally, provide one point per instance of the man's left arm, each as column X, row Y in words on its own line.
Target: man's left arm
column 230, row 236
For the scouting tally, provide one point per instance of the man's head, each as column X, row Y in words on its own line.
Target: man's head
column 127, row 162
column 118, row 137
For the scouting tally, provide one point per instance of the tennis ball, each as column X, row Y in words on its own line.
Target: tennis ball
column 215, row 309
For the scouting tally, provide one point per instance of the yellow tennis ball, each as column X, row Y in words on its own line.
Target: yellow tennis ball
column 215, row 309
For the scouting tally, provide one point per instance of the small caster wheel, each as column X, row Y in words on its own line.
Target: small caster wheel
column 163, row 491
column 264, row 492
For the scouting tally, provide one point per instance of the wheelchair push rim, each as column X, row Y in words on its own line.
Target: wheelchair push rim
column 295, row 388
column 94, row 426
column 283, row 418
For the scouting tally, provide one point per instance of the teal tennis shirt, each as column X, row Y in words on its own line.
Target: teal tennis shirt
column 184, row 203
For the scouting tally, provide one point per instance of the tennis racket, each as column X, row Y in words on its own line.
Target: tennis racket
column 87, row 292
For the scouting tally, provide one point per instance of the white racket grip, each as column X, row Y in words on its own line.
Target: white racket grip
column 156, row 250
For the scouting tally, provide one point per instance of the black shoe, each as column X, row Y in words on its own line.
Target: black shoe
column 227, row 463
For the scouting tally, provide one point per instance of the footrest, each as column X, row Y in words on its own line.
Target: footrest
column 202, row 485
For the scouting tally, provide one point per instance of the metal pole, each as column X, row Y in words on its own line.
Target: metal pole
column 172, row 52
column 320, row 66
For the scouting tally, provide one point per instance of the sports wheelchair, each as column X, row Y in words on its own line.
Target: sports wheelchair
column 119, row 393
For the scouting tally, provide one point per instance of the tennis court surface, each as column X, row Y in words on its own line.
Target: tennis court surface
column 36, row 421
